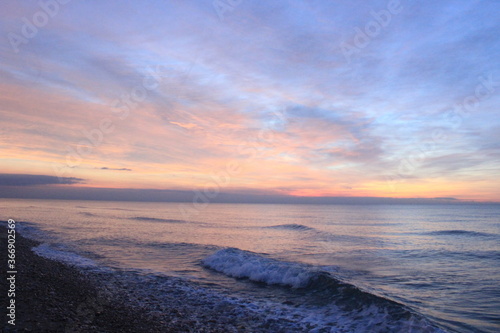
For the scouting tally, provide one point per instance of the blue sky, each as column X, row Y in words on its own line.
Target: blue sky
column 307, row 98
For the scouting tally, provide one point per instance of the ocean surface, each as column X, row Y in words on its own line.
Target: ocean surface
column 330, row 268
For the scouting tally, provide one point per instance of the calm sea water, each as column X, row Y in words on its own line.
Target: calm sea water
column 373, row 265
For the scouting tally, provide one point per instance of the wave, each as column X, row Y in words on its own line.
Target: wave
column 32, row 231
column 260, row 268
column 460, row 233
column 124, row 209
column 292, row 226
column 242, row 264
column 47, row 251
column 316, row 287
column 154, row 219
column 88, row 214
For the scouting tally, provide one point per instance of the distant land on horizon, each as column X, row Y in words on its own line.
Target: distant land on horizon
column 199, row 198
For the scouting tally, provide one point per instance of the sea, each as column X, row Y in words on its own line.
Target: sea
column 322, row 268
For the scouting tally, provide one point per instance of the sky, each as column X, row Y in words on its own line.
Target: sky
column 207, row 100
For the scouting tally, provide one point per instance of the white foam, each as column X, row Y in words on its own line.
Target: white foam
column 70, row 258
column 29, row 230
column 258, row 315
column 242, row 264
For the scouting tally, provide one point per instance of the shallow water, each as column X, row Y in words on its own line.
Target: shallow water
column 409, row 267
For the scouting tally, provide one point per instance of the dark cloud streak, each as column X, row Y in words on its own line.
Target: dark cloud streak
column 115, row 169
column 185, row 196
column 34, row 180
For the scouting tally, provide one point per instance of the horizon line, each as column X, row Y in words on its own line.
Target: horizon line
column 198, row 197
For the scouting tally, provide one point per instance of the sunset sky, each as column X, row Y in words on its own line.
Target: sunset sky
column 302, row 98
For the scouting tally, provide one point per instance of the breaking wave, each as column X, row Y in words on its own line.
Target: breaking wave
column 319, row 287
column 242, row 264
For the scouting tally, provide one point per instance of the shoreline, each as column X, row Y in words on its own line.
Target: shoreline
column 54, row 297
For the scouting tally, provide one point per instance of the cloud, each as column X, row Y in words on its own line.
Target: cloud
column 115, row 169
column 270, row 81
column 34, row 180
column 148, row 195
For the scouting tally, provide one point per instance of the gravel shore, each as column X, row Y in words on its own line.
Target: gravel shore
column 53, row 297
